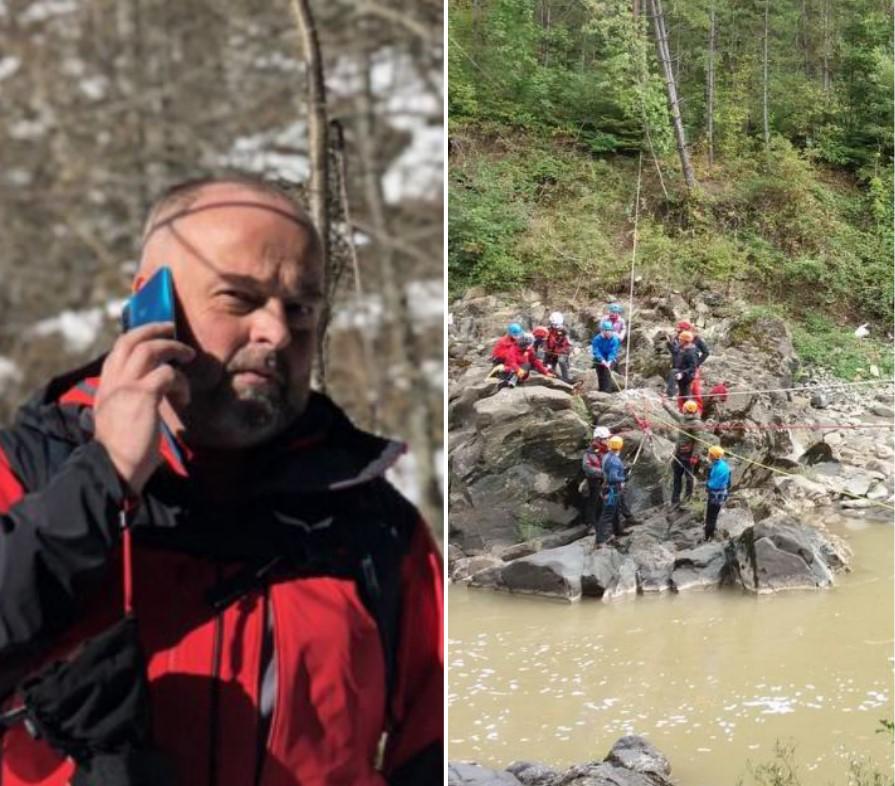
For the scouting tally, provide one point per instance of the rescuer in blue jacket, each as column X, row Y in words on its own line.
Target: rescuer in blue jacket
column 717, row 487
column 613, row 494
column 604, row 347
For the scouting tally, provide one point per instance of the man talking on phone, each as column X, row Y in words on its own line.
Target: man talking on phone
column 286, row 600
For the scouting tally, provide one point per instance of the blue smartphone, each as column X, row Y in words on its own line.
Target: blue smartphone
column 153, row 302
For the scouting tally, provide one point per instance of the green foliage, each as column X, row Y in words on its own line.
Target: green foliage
column 783, row 770
column 820, row 342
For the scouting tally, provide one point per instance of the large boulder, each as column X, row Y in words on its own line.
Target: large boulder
column 778, row 553
column 700, row 568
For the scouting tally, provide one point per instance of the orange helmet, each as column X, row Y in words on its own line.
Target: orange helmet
column 691, row 406
column 716, row 451
column 540, row 332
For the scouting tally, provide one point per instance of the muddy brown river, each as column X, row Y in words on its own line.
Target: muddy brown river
column 713, row 678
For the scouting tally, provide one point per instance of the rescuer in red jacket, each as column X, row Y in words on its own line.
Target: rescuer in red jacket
column 288, row 601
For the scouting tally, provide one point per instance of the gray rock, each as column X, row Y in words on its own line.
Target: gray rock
column 733, row 522
column 467, row 774
column 467, row 567
column 883, row 411
column 608, row 575
column 700, row 568
column 554, row 573
column 820, row 399
column 779, row 553
column 637, row 754
column 533, row 773
column 655, row 564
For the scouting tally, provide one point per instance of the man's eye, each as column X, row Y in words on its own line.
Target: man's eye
column 238, row 299
column 299, row 310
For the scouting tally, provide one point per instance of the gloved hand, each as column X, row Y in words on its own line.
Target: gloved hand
column 679, row 376
column 521, row 373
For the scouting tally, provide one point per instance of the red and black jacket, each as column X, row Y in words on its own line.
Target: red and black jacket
column 286, row 626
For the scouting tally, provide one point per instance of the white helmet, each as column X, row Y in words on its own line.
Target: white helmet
column 556, row 319
column 601, row 432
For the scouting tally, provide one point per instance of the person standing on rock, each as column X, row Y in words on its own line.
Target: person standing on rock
column 674, row 347
column 685, row 367
column 614, row 315
column 614, row 475
column 558, row 347
column 717, row 488
column 605, row 347
column 686, row 450
column 592, row 464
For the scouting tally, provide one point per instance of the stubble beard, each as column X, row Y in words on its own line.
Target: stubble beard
column 229, row 415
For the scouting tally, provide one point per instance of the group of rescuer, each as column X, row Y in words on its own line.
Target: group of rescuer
column 546, row 350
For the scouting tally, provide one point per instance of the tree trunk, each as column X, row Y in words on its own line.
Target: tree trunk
column 764, row 100
column 403, row 358
column 657, row 14
column 710, row 88
column 318, row 190
column 826, row 47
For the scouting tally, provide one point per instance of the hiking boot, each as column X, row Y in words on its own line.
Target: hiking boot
column 621, row 532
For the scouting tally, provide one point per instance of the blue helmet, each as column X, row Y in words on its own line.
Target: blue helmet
column 615, row 308
column 606, row 325
column 515, row 330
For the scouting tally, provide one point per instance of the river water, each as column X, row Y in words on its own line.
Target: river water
column 712, row 678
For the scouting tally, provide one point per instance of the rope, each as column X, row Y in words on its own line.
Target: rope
column 807, row 387
column 765, row 466
column 633, row 257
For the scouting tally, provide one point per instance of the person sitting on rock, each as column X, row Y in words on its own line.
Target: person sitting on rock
column 519, row 363
column 605, row 347
column 686, row 450
column 592, row 464
column 614, row 475
column 540, row 334
column 613, row 314
column 685, row 367
column 506, row 345
column 558, row 347
column 674, row 347
column 717, row 487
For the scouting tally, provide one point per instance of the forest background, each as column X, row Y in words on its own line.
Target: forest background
column 107, row 103
column 776, row 183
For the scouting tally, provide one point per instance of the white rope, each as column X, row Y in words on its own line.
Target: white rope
column 633, row 257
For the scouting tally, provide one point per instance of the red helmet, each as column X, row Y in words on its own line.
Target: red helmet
column 684, row 325
column 540, row 332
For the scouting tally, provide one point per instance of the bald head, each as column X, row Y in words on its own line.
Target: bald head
column 234, row 190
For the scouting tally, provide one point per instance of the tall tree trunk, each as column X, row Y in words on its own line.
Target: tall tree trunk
column 657, row 14
column 403, row 356
column 710, row 88
column 635, row 8
column 764, row 99
column 318, row 190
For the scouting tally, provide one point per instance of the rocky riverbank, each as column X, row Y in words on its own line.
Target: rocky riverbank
column 797, row 457
column 633, row 761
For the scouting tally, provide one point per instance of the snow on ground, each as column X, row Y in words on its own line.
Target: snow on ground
column 10, row 374
column 8, row 66
column 79, row 329
column 403, row 100
column 402, row 475
column 42, row 10
column 425, row 299
column 255, row 153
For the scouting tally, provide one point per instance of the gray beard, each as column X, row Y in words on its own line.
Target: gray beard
column 221, row 418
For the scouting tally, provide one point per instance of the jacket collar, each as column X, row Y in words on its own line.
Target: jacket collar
column 321, row 451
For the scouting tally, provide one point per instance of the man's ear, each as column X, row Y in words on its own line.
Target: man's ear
column 137, row 285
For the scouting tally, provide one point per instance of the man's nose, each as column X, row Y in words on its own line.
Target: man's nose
column 270, row 325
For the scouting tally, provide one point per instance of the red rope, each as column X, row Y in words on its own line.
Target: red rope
column 128, row 572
